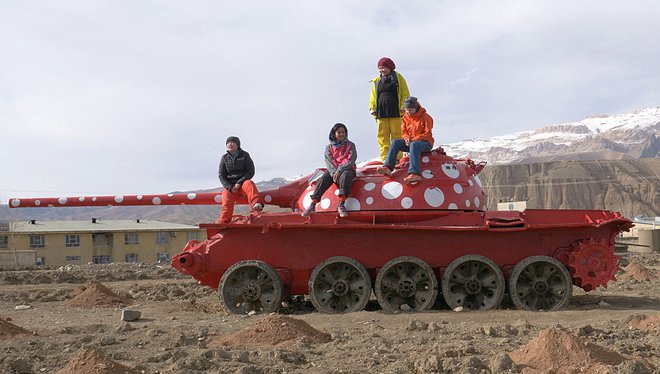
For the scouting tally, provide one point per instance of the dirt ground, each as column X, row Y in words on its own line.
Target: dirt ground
column 56, row 321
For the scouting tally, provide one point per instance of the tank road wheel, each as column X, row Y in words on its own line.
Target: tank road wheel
column 250, row 285
column 339, row 285
column 406, row 280
column 540, row 282
column 473, row 282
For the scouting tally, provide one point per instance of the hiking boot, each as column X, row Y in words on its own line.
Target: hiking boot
column 412, row 178
column 258, row 207
column 310, row 209
column 384, row 170
column 341, row 209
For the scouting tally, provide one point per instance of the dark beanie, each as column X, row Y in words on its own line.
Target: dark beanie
column 411, row 102
column 387, row 62
column 234, row 139
column 334, row 129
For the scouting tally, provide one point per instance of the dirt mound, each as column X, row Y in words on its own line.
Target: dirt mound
column 637, row 272
column 644, row 322
column 96, row 294
column 91, row 362
column 557, row 351
column 9, row 329
column 273, row 331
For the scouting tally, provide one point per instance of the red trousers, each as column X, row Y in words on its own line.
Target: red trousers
column 248, row 188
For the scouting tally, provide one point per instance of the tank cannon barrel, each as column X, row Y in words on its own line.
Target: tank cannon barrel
column 284, row 196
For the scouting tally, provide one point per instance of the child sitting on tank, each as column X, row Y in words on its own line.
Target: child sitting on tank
column 416, row 138
column 340, row 156
column 235, row 172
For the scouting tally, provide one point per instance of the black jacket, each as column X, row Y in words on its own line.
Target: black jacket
column 235, row 169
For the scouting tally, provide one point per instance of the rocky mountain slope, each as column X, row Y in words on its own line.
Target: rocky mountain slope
column 599, row 137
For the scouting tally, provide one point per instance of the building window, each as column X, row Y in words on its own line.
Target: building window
column 71, row 258
column 162, row 237
column 131, row 238
column 162, row 257
column 101, row 259
column 4, row 242
column 131, row 257
column 40, row 261
column 193, row 235
column 101, row 240
column 37, row 241
column 72, row 241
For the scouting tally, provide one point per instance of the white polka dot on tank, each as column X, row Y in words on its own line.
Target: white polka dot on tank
column 406, row 202
column 352, row 204
column 369, row 186
column 336, row 192
column 119, row 199
column 476, row 202
column 467, row 203
column 156, row 201
column 470, row 182
column 15, row 202
column 170, row 194
column 392, row 190
column 425, row 159
column 37, row 202
column 139, row 197
column 476, row 179
column 217, row 198
column 452, row 206
column 307, row 200
column 458, row 188
column 370, row 200
column 325, row 203
column 93, row 198
column 192, row 196
column 81, row 199
column 434, row 196
column 268, row 198
column 428, row 174
column 450, row 170
column 62, row 200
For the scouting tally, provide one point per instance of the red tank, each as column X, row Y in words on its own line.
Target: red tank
column 408, row 244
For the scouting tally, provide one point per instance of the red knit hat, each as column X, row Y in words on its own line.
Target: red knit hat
column 386, row 62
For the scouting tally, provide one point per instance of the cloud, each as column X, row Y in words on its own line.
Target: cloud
column 139, row 96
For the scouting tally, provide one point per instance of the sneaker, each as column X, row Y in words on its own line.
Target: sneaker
column 310, row 209
column 412, row 178
column 258, row 207
column 341, row 209
column 384, row 170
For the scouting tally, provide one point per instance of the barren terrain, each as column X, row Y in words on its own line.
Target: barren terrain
column 56, row 321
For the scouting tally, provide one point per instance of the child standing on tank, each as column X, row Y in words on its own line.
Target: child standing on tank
column 388, row 91
column 340, row 156
column 417, row 137
column 235, row 172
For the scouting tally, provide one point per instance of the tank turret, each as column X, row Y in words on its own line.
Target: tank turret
column 408, row 244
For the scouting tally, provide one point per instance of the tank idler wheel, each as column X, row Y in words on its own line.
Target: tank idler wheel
column 407, row 281
column 473, row 282
column 540, row 283
column 339, row 285
column 250, row 285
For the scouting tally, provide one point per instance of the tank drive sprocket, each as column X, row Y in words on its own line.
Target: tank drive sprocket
column 592, row 263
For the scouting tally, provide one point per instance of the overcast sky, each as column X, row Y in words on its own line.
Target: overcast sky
column 109, row 97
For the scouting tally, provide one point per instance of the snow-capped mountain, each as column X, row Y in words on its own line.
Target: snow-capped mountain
column 599, row 137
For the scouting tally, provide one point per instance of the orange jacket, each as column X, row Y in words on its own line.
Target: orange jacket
column 417, row 127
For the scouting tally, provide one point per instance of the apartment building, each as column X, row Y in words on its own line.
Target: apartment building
column 97, row 241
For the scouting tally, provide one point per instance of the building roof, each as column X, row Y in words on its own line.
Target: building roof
column 97, row 226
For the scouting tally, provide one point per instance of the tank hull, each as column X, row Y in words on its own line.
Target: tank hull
column 294, row 246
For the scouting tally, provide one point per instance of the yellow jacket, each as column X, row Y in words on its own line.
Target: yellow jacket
column 402, row 88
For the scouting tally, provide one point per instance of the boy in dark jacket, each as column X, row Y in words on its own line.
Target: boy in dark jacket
column 235, row 172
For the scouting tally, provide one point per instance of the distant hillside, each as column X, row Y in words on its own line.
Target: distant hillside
column 631, row 187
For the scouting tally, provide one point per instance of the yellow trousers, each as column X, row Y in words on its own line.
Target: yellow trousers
column 388, row 129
